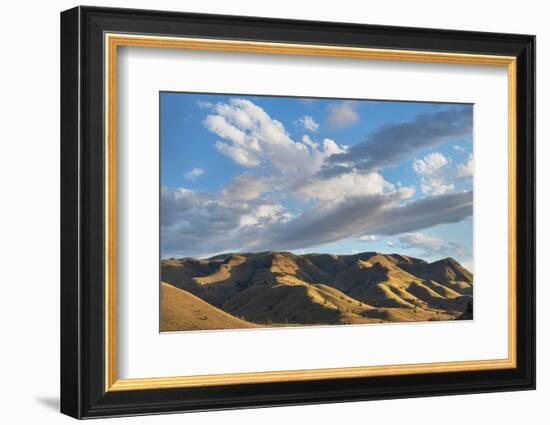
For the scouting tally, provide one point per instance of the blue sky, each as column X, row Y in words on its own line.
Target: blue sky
column 254, row 173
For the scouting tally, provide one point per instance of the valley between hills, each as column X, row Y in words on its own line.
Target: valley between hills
column 275, row 289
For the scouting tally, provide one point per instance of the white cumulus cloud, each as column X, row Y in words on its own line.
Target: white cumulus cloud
column 309, row 142
column 251, row 138
column 265, row 214
column 431, row 164
column 344, row 186
column 432, row 172
column 466, row 170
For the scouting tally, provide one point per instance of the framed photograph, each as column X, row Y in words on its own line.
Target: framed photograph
column 261, row 212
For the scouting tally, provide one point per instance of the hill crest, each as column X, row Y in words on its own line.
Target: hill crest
column 282, row 289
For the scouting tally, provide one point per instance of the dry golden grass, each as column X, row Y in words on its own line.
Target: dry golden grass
column 180, row 310
column 282, row 289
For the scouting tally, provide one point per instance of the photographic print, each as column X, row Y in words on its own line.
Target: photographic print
column 286, row 211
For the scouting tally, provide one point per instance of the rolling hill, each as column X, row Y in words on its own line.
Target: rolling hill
column 285, row 289
column 181, row 310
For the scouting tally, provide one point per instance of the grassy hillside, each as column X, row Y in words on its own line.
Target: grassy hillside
column 284, row 289
column 181, row 310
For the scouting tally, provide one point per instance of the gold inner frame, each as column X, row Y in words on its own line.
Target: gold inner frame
column 113, row 41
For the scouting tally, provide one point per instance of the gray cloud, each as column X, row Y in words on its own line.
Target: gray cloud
column 342, row 114
column 393, row 143
column 196, row 224
column 375, row 214
column 195, row 221
column 426, row 212
column 245, row 187
column 200, row 223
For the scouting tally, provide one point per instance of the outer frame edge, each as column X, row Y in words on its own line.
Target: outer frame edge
column 70, row 347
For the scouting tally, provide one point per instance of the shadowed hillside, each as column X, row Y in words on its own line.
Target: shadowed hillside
column 284, row 289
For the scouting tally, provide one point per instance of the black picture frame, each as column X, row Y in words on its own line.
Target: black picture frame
column 83, row 392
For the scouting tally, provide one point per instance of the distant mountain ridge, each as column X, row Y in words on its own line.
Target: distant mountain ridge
column 283, row 289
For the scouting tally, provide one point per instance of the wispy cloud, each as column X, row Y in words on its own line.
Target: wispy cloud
column 193, row 173
column 204, row 105
column 431, row 246
column 307, row 122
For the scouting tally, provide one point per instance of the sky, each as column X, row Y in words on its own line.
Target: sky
column 245, row 173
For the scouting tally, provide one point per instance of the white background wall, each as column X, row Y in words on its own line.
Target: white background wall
column 29, row 214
